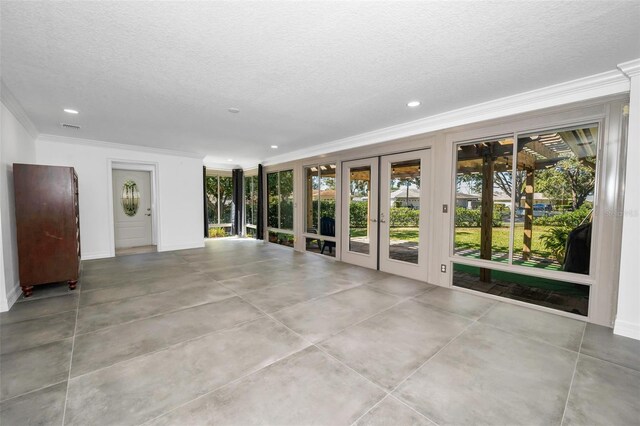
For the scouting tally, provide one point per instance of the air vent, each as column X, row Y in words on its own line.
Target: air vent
column 70, row 126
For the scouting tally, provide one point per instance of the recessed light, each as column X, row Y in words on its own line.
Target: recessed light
column 70, row 111
column 413, row 104
column 274, row 146
column 233, row 110
column 229, row 159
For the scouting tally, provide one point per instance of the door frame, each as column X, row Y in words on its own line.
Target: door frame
column 365, row 260
column 420, row 270
column 138, row 166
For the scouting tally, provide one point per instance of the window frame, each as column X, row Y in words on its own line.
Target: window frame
column 508, row 266
column 311, row 235
column 218, row 174
column 278, row 229
column 250, row 174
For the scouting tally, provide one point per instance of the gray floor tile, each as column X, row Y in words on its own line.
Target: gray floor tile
column 553, row 329
column 362, row 275
column 603, row 394
column 31, row 369
column 278, row 297
column 401, row 286
column 95, row 317
column 392, row 412
column 600, row 342
column 122, row 342
column 27, row 334
column 488, row 376
column 138, row 390
column 249, row 283
column 38, row 308
column 101, row 279
column 457, row 302
column 305, row 388
column 393, row 344
column 138, row 288
column 320, row 318
column 40, row 408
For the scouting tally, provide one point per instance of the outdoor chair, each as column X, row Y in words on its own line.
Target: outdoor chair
column 327, row 228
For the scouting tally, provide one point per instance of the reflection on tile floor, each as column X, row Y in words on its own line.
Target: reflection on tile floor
column 243, row 332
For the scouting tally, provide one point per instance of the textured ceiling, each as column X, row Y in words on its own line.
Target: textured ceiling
column 163, row 74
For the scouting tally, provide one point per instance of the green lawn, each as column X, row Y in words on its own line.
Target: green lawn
column 469, row 238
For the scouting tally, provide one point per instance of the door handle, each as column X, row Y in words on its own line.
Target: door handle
column 147, row 214
column 373, row 220
column 383, row 221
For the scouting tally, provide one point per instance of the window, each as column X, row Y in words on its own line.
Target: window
column 280, row 206
column 320, row 208
column 219, row 204
column 534, row 212
column 251, row 205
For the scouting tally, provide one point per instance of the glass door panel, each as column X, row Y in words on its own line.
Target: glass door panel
column 360, row 198
column 403, row 214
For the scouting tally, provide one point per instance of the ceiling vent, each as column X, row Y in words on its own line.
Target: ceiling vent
column 70, row 126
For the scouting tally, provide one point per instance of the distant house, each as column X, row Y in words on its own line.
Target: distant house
column 467, row 201
column 406, row 196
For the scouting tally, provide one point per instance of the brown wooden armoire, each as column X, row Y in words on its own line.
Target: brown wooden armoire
column 48, row 225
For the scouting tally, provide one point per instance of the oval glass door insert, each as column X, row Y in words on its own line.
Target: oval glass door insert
column 130, row 198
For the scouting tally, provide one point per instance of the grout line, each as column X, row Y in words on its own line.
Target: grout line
column 387, row 393
column 413, row 409
column 73, row 343
column 526, row 337
column 232, row 382
column 370, row 409
column 32, row 391
column 182, row 308
column 573, row 375
column 173, row 345
column 431, row 357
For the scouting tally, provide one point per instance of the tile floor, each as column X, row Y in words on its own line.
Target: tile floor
column 242, row 332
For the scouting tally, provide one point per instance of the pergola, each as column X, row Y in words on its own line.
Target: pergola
column 534, row 152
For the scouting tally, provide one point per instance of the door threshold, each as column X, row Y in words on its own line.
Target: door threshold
column 125, row 251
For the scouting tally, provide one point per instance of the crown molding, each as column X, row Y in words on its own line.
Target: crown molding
column 595, row 86
column 630, row 68
column 13, row 105
column 113, row 145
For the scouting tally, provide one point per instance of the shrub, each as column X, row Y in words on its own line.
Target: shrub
column 217, row 232
column 358, row 212
column 567, row 220
column 404, row 217
column 472, row 218
column 555, row 240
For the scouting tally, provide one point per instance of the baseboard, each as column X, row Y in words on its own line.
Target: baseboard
column 199, row 244
column 96, row 256
column 627, row 329
column 13, row 295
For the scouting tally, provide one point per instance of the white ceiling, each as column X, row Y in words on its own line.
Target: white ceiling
column 163, row 74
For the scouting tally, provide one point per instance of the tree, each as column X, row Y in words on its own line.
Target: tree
column 572, row 175
column 502, row 180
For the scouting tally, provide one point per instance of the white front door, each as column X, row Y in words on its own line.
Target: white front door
column 360, row 212
column 404, row 179
column 132, row 208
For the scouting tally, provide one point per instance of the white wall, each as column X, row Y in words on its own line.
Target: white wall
column 179, row 204
column 16, row 146
column 628, row 315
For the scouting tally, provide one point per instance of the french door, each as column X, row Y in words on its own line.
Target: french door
column 360, row 212
column 385, row 211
